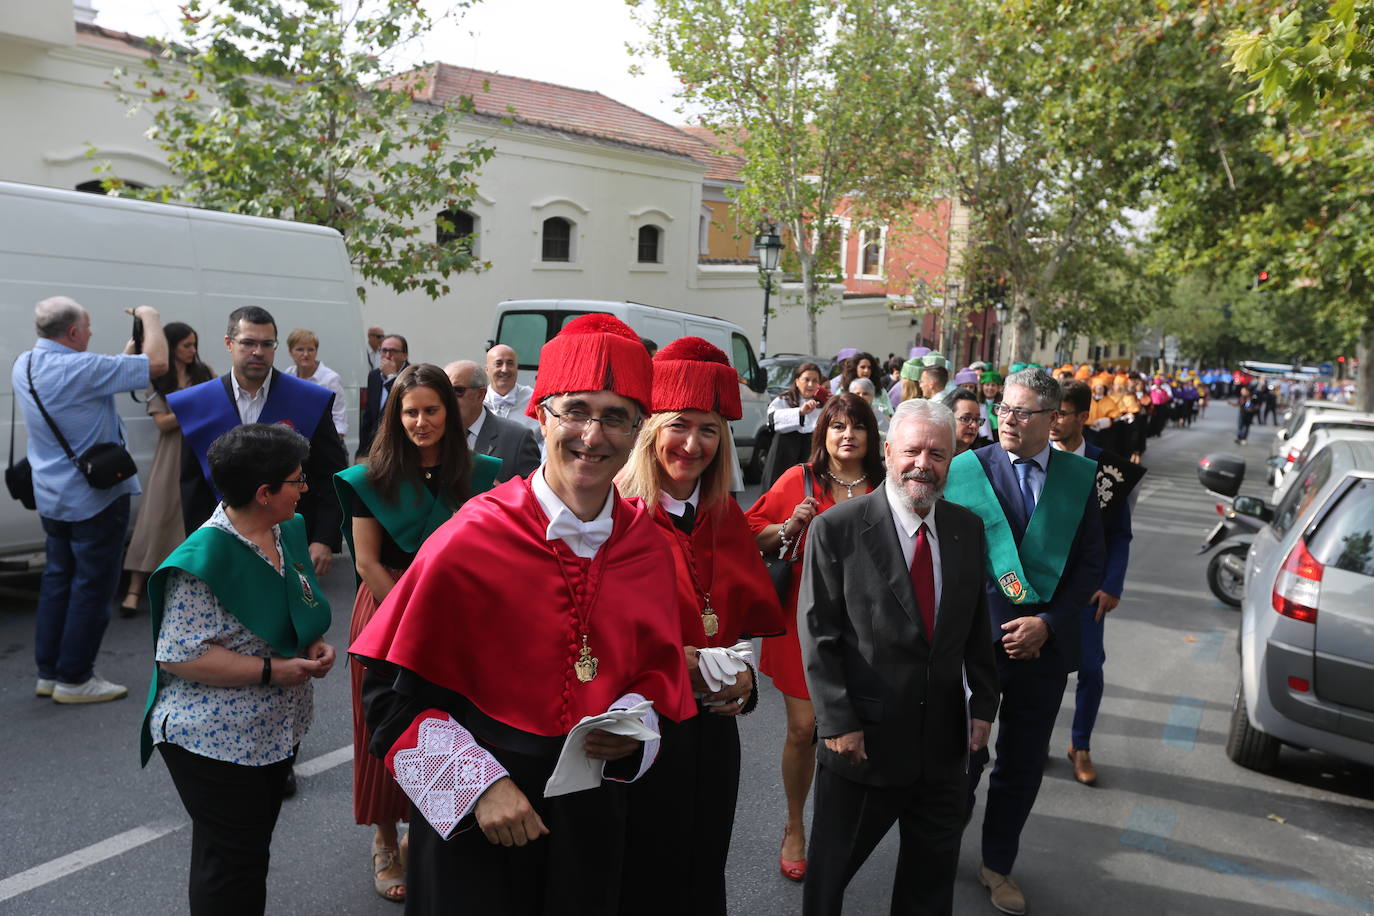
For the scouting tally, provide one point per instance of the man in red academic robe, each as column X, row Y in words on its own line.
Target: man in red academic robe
column 540, row 603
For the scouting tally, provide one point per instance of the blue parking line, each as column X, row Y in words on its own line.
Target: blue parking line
column 1185, row 718
column 1149, row 828
column 1208, row 648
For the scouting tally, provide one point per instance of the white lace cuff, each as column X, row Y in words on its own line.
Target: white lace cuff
column 443, row 770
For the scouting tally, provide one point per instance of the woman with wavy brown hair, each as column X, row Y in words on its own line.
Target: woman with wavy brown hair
column 845, row 462
column 418, row 473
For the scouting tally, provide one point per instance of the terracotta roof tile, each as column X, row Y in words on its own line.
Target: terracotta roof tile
column 564, row 108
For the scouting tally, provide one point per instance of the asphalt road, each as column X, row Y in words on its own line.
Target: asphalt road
column 1172, row 828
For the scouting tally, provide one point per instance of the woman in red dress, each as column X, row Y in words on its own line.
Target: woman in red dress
column 846, row 461
column 683, row 810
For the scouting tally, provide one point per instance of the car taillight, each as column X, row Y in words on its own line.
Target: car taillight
column 1299, row 585
column 1221, row 510
column 1292, row 456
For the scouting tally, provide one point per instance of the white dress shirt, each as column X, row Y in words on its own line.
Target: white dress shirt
column 582, row 538
column 906, row 522
column 1082, row 447
column 475, row 429
column 790, row 419
column 512, row 404
column 326, row 377
column 677, row 506
column 250, row 405
column 1038, row 470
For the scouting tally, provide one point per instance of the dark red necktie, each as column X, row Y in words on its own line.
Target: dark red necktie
column 923, row 581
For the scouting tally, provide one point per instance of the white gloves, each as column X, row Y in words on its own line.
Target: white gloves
column 1102, row 423
column 720, row 667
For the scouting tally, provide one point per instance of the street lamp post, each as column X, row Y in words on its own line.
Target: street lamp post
column 768, row 246
column 1003, row 313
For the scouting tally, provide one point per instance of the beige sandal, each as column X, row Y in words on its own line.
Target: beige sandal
column 389, row 858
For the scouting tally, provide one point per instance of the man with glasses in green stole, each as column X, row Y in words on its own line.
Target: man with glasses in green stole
column 1045, row 558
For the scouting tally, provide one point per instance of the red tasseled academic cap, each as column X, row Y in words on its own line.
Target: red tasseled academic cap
column 594, row 352
column 694, row 374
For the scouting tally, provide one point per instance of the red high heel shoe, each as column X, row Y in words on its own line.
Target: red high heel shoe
column 792, row 869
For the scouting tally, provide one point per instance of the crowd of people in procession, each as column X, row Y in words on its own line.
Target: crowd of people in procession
column 551, row 712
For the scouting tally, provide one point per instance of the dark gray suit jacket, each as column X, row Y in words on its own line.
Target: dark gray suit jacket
column 512, row 442
column 870, row 664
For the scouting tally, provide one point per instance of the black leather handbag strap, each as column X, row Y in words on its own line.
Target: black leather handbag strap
column 13, row 398
column 33, row 393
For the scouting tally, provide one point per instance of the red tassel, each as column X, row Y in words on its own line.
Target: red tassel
column 594, row 352
column 693, row 374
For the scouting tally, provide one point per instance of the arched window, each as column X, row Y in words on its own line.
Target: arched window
column 464, row 227
column 96, row 187
column 556, row 241
column 650, row 242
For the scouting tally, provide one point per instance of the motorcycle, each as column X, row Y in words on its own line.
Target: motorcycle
column 1232, row 535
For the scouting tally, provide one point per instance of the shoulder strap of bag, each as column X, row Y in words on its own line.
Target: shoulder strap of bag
column 33, row 392
column 12, row 400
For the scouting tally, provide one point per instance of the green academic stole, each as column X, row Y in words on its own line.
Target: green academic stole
column 288, row 609
column 1028, row 574
column 416, row 513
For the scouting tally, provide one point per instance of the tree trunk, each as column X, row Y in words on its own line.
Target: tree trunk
column 1023, row 336
column 1364, row 380
column 809, row 299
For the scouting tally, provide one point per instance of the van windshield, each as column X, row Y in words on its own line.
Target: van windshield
column 527, row 332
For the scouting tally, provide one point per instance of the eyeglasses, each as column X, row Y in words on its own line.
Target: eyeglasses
column 460, row 390
column 300, row 481
column 969, row 421
column 1021, row 414
column 390, row 351
column 249, row 343
column 577, row 421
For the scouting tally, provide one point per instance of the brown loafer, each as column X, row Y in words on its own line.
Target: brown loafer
column 1083, row 769
column 1002, row 890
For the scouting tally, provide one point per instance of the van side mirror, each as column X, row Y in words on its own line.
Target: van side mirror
column 1254, row 507
column 1283, row 434
column 760, row 380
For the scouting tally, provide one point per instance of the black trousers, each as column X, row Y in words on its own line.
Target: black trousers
column 233, row 811
column 850, row 819
column 575, row 869
column 1031, row 695
column 680, row 817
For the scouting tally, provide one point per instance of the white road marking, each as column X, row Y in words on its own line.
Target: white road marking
column 120, row 843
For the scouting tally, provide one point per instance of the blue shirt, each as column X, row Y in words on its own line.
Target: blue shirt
column 77, row 389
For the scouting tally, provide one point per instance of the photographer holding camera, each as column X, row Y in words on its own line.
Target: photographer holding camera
column 82, row 480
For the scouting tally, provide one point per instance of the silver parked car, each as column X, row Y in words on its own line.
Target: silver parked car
column 1307, row 618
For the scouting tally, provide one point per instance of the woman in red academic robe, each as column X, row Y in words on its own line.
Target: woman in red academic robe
column 682, row 813
column 846, row 461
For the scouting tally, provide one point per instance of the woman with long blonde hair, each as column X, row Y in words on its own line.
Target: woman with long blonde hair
column 682, row 812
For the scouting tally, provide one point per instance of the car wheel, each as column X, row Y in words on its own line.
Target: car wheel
column 1247, row 745
column 753, row 472
column 1226, row 575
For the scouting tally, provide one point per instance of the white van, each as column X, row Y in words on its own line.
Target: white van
column 192, row 265
column 526, row 325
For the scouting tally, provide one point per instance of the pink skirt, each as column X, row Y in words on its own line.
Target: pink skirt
column 376, row 797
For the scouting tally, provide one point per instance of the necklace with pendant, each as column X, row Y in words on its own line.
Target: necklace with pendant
column 849, row 485
column 583, row 600
column 710, row 620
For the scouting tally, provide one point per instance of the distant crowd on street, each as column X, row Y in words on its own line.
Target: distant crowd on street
column 559, row 598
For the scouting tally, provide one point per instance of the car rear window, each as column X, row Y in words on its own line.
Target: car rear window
column 1345, row 539
column 1299, row 496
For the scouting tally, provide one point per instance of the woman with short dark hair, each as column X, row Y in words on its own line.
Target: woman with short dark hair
column 845, row 462
column 418, row 473
column 239, row 621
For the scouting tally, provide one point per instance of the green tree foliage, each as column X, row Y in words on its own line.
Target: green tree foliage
column 824, row 99
column 1313, row 75
column 282, row 108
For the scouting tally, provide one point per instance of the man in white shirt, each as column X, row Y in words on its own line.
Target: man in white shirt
column 506, row 397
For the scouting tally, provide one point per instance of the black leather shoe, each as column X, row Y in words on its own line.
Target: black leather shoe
column 289, row 788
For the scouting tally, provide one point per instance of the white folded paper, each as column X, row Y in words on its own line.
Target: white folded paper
column 720, row 667
column 575, row 771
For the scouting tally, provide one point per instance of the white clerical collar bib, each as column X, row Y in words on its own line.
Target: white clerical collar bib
column 676, row 506
column 582, row 538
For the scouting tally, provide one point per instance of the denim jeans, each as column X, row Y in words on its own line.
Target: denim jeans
column 84, row 560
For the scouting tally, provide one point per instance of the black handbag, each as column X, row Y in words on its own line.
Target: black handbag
column 19, row 477
column 780, row 564
column 104, row 464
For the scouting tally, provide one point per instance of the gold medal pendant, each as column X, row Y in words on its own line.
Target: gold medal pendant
column 709, row 621
column 586, row 664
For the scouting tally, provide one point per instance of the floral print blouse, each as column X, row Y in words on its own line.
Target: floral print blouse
column 253, row 725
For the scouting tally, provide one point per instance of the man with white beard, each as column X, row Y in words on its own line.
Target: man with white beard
column 892, row 614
